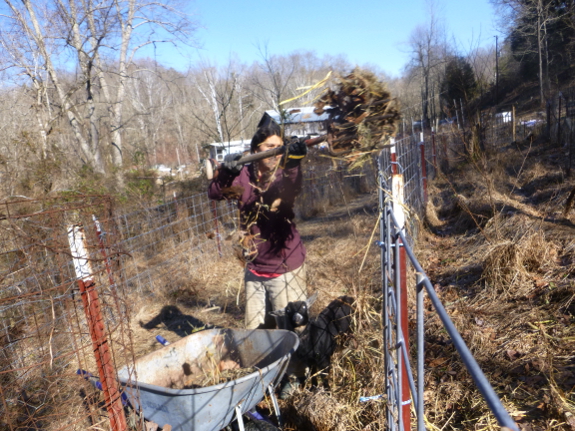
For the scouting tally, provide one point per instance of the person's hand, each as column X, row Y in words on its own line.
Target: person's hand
column 297, row 148
column 231, row 163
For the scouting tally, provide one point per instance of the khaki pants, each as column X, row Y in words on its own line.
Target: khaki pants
column 276, row 292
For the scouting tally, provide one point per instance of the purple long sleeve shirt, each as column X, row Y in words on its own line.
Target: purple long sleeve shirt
column 266, row 213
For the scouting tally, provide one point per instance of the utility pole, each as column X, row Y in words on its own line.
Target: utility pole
column 496, row 72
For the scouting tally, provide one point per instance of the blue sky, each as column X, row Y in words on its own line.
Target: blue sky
column 365, row 31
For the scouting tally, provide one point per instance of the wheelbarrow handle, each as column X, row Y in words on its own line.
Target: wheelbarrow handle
column 212, row 167
column 94, row 381
column 162, row 340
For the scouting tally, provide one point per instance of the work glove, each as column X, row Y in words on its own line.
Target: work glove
column 231, row 163
column 296, row 151
column 297, row 148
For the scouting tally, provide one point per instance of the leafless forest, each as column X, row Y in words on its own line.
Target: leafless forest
column 83, row 109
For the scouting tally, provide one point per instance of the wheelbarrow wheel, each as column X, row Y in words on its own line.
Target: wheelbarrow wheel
column 252, row 425
column 256, row 425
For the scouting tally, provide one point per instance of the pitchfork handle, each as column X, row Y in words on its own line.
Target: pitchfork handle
column 276, row 151
column 212, row 167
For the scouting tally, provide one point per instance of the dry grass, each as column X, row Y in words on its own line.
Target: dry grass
column 508, row 283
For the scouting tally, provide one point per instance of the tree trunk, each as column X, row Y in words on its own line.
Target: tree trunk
column 539, row 51
column 92, row 156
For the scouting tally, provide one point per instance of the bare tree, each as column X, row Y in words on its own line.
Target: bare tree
column 223, row 94
column 428, row 52
column 529, row 23
column 271, row 78
column 308, row 71
column 97, row 38
column 150, row 100
column 482, row 60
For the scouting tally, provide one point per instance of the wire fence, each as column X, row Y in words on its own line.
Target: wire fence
column 403, row 390
column 44, row 330
column 401, row 273
column 48, row 305
column 158, row 238
column 402, row 193
column 47, row 349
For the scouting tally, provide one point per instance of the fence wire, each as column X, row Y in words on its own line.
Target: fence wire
column 44, row 333
column 44, row 337
column 404, row 393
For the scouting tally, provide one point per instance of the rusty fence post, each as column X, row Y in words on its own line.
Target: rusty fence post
column 400, row 275
column 91, row 302
column 423, row 167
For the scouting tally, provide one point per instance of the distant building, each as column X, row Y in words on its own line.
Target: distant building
column 504, row 117
column 219, row 150
column 299, row 121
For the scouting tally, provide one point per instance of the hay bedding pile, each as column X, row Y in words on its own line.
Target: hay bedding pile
column 361, row 114
column 223, row 372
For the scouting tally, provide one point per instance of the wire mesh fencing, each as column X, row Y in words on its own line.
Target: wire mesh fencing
column 165, row 241
column 50, row 358
column 45, row 337
column 405, row 383
column 327, row 185
column 62, row 331
column 402, row 198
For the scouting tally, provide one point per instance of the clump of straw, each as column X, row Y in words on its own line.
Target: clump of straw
column 361, row 114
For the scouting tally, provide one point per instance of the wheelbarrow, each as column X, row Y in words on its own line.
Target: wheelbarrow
column 151, row 383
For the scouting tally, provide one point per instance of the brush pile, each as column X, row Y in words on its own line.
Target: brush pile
column 361, row 114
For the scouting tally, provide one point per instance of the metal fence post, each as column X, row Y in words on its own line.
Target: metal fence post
column 384, row 236
column 513, row 123
column 400, row 277
column 97, row 329
column 420, row 353
column 423, row 168
column 457, row 114
column 176, row 207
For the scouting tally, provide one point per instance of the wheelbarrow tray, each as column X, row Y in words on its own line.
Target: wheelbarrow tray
column 149, row 383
